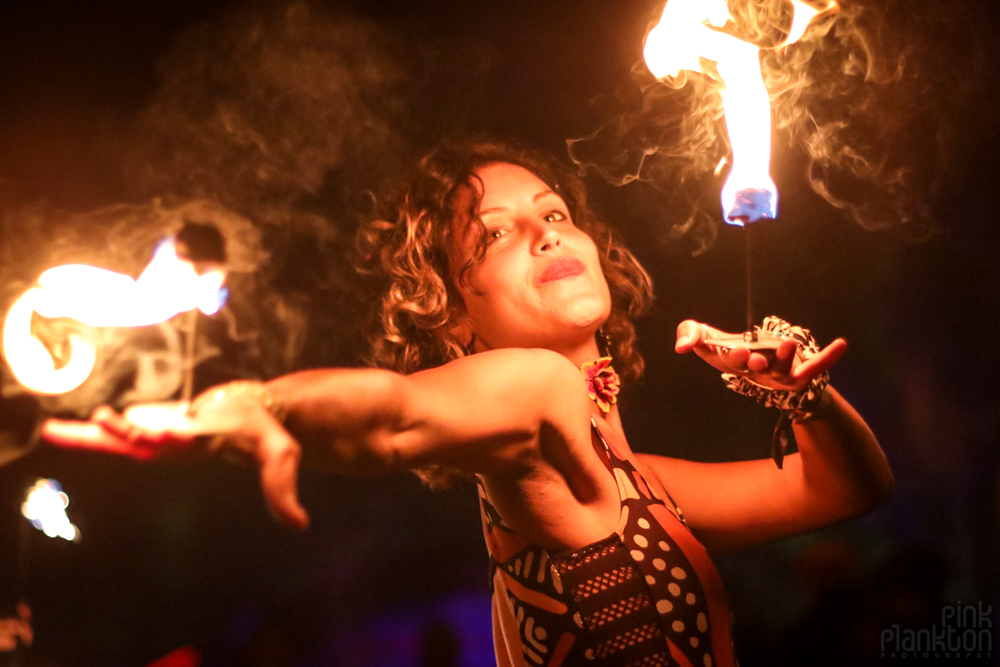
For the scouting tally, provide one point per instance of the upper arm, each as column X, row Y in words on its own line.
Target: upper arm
column 741, row 503
column 488, row 412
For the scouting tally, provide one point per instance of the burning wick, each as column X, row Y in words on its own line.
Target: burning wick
column 205, row 249
column 689, row 31
column 171, row 284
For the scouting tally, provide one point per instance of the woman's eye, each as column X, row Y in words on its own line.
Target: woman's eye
column 494, row 234
column 555, row 216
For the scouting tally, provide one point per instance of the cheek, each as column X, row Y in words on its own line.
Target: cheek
column 496, row 291
column 588, row 248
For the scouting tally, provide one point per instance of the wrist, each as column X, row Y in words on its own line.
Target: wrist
column 796, row 404
column 825, row 409
column 244, row 390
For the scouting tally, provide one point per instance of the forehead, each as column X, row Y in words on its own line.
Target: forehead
column 501, row 182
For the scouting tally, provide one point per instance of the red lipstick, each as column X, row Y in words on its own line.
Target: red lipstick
column 563, row 267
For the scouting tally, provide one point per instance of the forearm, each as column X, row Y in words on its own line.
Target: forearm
column 842, row 464
column 342, row 417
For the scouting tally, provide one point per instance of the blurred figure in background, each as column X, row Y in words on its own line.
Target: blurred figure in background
column 16, row 630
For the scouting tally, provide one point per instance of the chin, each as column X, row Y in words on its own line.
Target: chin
column 589, row 314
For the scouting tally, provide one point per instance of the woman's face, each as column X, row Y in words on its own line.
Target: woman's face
column 540, row 283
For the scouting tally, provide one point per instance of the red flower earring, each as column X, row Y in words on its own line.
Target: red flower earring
column 602, row 381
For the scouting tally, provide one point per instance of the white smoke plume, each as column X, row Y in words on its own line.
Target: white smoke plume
column 868, row 103
column 270, row 124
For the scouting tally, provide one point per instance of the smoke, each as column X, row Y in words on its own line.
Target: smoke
column 284, row 113
column 290, row 114
column 867, row 102
column 270, row 123
column 259, row 107
column 140, row 364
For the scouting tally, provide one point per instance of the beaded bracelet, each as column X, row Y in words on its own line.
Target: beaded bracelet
column 250, row 388
column 794, row 406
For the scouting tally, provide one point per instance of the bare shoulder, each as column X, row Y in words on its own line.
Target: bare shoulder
column 562, row 392
column 537, row 379
column 548, row 387
column 501, row 411
column 525, row 363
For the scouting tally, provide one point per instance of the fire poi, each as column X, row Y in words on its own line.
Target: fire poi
column 180, row 279
column 691, row 31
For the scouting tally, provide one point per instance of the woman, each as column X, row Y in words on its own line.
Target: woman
column 500, row 287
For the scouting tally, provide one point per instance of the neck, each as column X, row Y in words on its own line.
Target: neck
column 580, row 354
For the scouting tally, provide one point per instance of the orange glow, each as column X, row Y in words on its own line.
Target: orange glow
column 100, row 298
column 159, row 417
column 689, row 32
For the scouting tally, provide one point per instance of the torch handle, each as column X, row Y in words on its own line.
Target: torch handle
column 748, row 260
column 187, row 388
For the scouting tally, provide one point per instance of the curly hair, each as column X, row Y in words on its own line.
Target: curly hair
column 410, row 252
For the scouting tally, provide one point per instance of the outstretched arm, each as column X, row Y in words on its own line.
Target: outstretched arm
column 839, row 472
column 482, row 414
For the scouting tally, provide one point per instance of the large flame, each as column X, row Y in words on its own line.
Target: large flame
column 45, row 507
column 100, row 298
column 688, row 33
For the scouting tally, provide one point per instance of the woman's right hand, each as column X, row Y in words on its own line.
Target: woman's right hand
column 781, row 368
column 152, row 431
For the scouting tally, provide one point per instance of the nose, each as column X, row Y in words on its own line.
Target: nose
column 545, row 237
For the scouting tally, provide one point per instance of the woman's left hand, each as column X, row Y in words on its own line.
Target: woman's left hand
column 777, row 368
column 160, row 430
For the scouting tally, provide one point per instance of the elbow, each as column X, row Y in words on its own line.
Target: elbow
column 884, row 488
column 881, row 484
column 370, row 454
column 372, row 445
column 380, row 455
column 874, row 492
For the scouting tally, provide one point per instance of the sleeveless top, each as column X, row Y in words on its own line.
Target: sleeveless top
column 647, row 595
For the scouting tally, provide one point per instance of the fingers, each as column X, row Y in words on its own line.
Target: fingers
column 737, row 358
column 90, row 436
column 112, row 433
column 757, row 362
column 784, row 357
column 821, row 361
column 772, row 366
column 113, row 422
column 279, row 478
column 689, row 335
column 277, row 456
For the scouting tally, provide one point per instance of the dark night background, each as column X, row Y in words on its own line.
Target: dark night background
column 284, row 114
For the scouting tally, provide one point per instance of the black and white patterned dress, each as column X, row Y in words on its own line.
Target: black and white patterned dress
column 646, row 595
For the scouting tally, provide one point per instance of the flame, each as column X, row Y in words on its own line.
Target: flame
column 802, row 16
column 45, row 507
column 688, row 32
column 100, row 298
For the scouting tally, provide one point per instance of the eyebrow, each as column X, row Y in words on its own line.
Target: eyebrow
column 541, row 195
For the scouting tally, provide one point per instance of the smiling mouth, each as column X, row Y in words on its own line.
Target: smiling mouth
column 564, row 267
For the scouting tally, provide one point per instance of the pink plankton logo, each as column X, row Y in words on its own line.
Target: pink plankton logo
column 965, row 632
